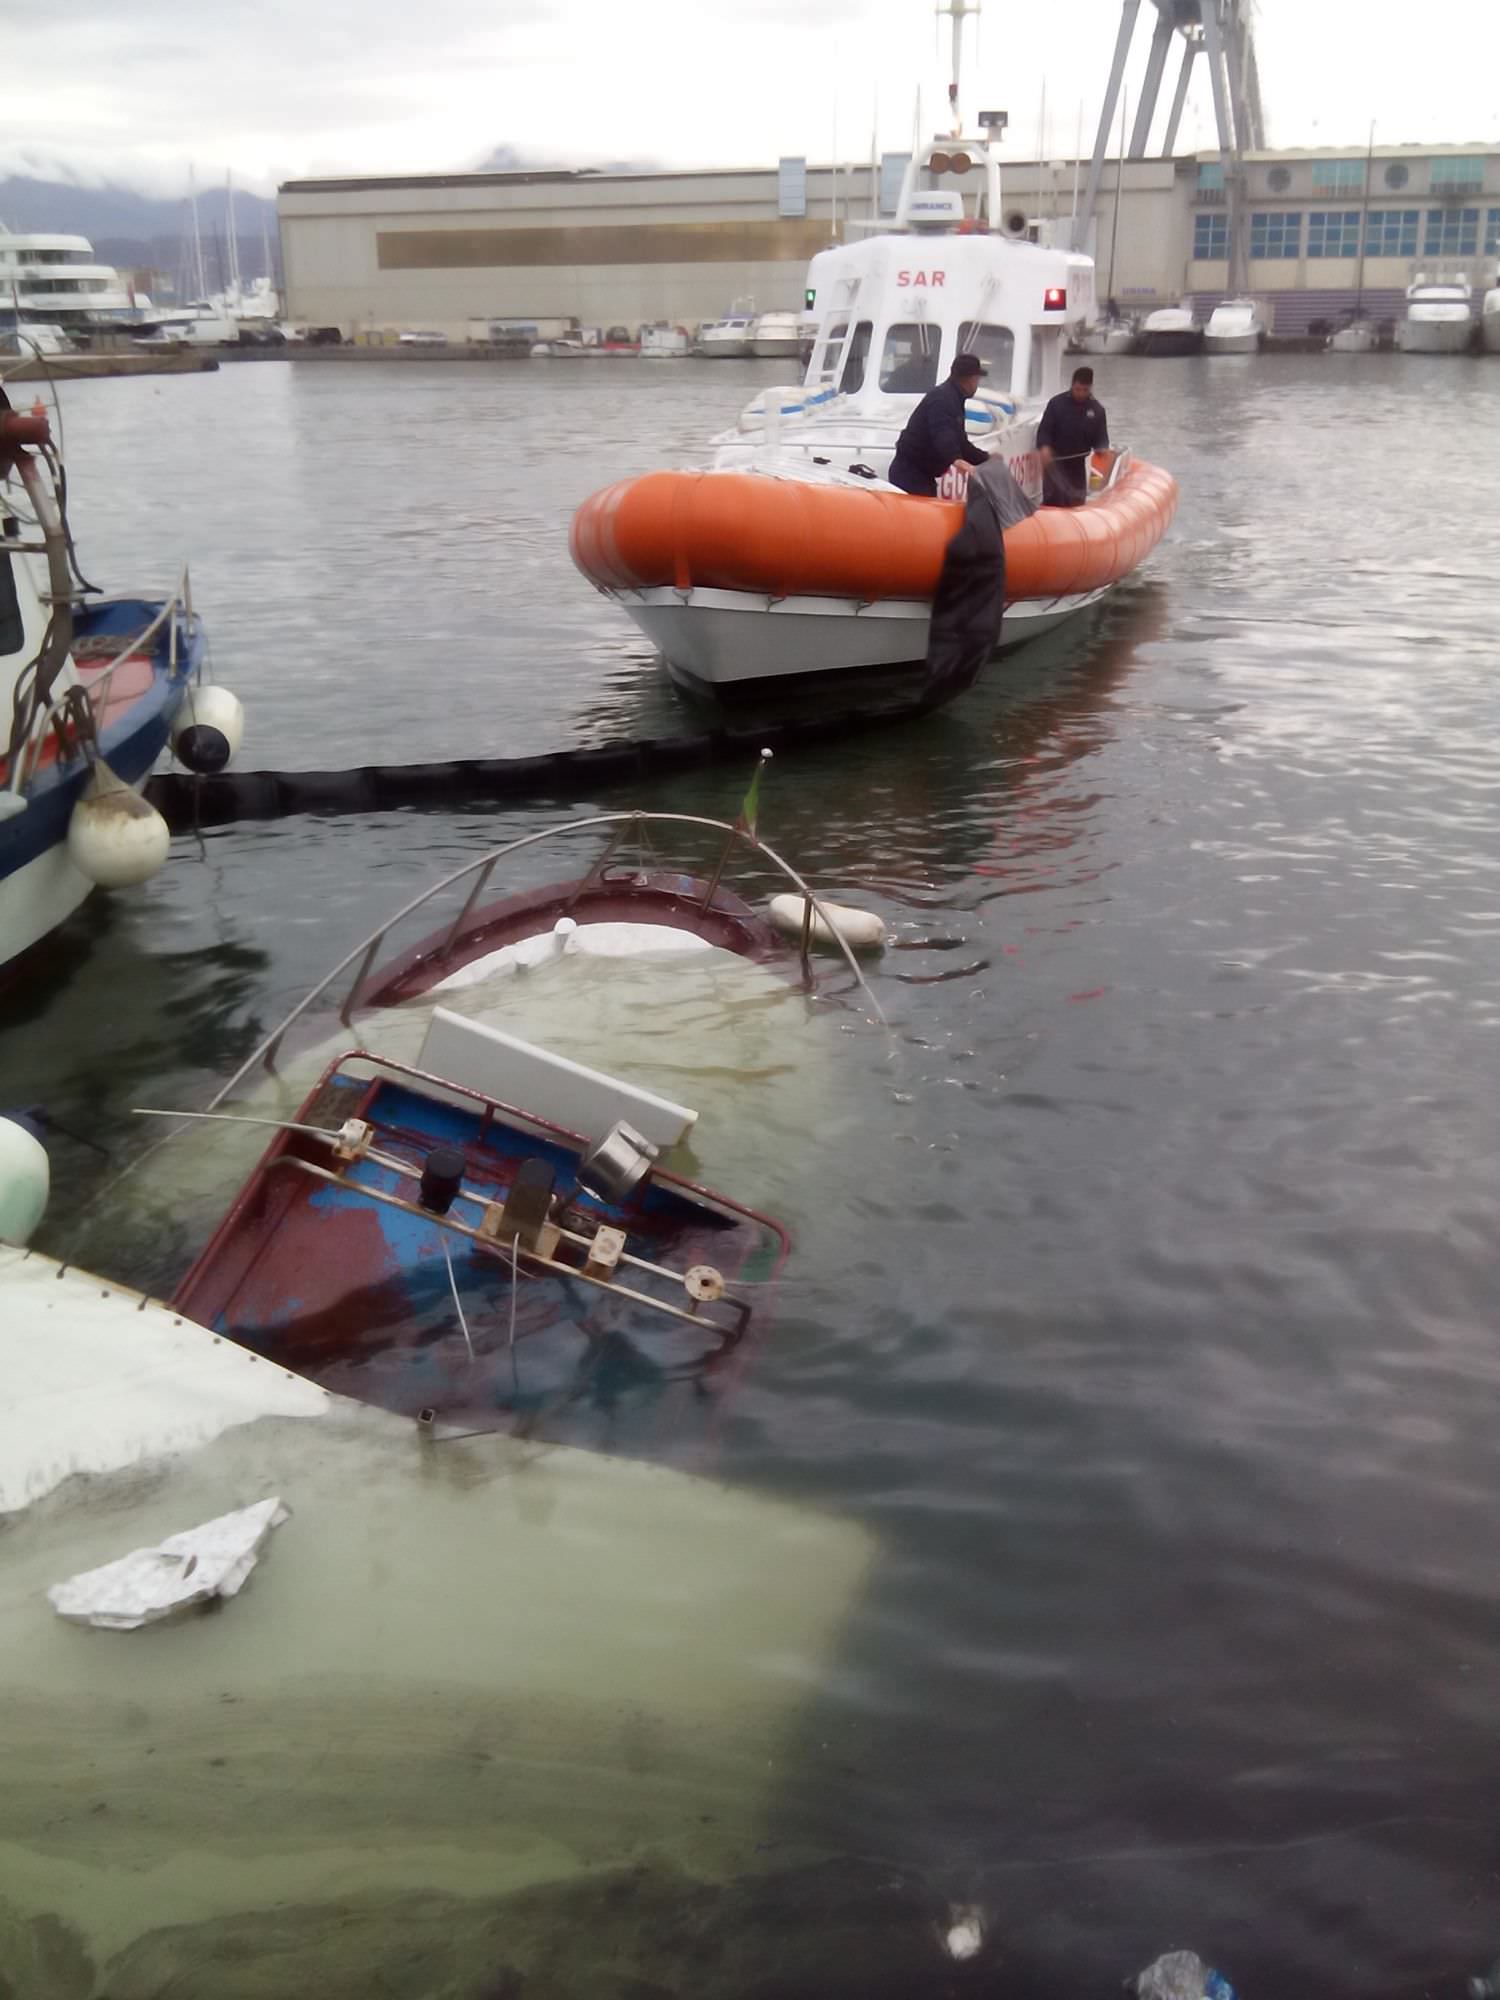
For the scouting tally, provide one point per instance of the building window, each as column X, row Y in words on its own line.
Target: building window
column 1333, row 232
column 909, row 361
column 1210, row 174
column 1451, row 232
column 1397, row 174
column 1277, row 233
column 1210, row 238
column 1492, row 233
column 1337, row 176
column 1391, row 232
column 1457, row 173
column 1279, row 179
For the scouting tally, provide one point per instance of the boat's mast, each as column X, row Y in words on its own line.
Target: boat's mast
column 959, row 11
column 1364, row 223
column 234, row 248
column 197, row 236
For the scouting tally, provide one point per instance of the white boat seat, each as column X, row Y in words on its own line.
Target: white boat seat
column 507, row 1070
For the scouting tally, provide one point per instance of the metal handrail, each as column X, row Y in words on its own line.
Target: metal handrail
column 367, row 948
column 180, row 600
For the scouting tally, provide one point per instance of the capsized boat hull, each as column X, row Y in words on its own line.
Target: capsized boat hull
column 460, row 1672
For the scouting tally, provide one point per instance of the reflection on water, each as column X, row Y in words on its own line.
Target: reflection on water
column 1143, row 1289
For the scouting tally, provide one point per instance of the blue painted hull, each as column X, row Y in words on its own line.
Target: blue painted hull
column 39, row 888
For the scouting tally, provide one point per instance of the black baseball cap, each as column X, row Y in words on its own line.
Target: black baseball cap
column 967, row 364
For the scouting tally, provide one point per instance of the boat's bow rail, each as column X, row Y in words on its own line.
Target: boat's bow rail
column 381, row 976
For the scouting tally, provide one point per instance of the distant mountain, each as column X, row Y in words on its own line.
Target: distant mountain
column 511, row 160
column 144, row 232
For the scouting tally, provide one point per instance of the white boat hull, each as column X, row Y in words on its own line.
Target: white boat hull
column 36, row 897
column 1354, row 340
column 776, row 348
column 723, row 639
column 1105, row 340
column 1231, row 343
column 1492, row 333
column 1441, row 336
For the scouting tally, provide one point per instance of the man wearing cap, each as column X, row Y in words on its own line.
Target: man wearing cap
column 1073, row 427
column 935, row 436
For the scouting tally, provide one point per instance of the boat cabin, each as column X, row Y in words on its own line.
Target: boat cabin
column 954, row 274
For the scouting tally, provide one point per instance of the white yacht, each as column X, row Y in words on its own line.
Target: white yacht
column 1489, row 319
column 1439, row 318
column 1236, row 326
column 1171, row 330
column 57, row 281
column 777, row 336
column 730, row 338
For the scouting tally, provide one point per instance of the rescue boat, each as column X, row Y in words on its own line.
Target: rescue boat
column 794, row 555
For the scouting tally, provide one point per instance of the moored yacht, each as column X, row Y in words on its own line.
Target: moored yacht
column 57, row 281
column 1489, row 319
column 1438, row 318
column 730, row 338
column 777, row 336
column 1236, row 326
column 1171, row 330
column 795, row 555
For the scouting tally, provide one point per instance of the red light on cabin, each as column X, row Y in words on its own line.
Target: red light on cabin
column 1056, row 298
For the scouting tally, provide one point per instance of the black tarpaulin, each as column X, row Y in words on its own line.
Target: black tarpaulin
column 970, row 597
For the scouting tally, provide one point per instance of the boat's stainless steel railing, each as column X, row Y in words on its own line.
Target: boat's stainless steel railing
column 180, row 602
column 621, row 825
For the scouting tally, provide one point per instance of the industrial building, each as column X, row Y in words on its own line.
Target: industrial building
column 459, row 253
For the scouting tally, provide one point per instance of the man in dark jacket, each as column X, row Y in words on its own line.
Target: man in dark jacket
column 1073, row 425
column 935, row 436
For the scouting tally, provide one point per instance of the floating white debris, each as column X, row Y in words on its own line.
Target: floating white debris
column 861, row 930
column 965, row 1932
column 149, row 1584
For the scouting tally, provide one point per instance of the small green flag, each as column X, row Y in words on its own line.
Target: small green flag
column 746, row 821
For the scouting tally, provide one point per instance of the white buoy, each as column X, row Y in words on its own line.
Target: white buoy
column 861, row 930
column 209, row 729
column 114, row 837
column 25, row 1180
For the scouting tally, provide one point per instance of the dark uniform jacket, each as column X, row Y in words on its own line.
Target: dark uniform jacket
column 1073, row 430
column 934, row 437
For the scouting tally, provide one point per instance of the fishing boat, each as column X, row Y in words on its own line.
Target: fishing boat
column 777, row 336
column 1439, row 316
column 1235, row 326
column 662, row 342
column 460, row 1210
column 95, row 691
column 1170, row 331
column 731, row 338
column 794, row 556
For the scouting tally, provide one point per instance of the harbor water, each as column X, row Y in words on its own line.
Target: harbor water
column 1142, row 1315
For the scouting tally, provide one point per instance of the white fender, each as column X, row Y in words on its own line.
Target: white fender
column 209, row 729
column 25, row 1180
column 861, row 930
column 114, row 837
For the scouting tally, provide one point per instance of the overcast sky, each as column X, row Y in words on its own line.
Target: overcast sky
column 133, row 90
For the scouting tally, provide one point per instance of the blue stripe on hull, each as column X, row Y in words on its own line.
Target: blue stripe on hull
column 130, row 745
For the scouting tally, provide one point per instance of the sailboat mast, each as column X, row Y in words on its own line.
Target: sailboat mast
column 197, row 236
column 234, row 248
column 1364, row 224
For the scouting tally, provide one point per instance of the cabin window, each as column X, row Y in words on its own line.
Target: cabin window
column 853, row 377
column 833, row 340
column 909, row 360
column 12, row 631
column 1046, row 349
column 995, row 346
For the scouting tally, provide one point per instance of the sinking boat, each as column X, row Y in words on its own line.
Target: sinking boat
column 460, row 1211
column 94, row 691
column 793, row 556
